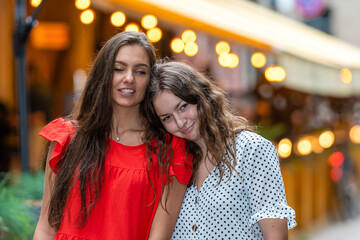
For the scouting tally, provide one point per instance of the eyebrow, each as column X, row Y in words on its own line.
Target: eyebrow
column 137, row 65
column 176, row 106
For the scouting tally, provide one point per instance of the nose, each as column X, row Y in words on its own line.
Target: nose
column 129, row 76
column 180, row 122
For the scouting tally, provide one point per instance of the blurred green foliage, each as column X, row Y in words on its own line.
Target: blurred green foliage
column 271, row 132
column 18, row 216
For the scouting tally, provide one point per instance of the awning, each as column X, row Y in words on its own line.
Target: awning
column 297, row 45
column 253, row 24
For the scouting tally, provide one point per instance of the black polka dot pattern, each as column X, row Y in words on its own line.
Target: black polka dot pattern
column 232, row 209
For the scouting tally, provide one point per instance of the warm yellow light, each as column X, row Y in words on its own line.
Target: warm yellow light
column 315, row 145
column 258, row 59
column 224, row 59
column 284, row 149
column 304, row 146
column 345, row 75
column 50, row 36
column 149, row 21
column 355, row 134
column 234, row 60
column 82, row 4
column 222, row 47
column 191, row 49
column 230, row 60
column 177, row 45
column 132, row 27
column 118, row 19
column 275, row 73
column 35, row 3
column 87, row 16
column 326, row 139
column 154, row 34
column 188, row 36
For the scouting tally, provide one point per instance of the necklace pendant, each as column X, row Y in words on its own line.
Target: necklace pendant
column 117, row 139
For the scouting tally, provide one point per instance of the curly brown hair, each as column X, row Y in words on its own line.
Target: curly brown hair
column 85, row 155
column 218, row 125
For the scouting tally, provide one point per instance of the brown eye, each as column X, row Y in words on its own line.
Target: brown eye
column 118, row 69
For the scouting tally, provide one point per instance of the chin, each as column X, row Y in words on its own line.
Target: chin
column 190, row 138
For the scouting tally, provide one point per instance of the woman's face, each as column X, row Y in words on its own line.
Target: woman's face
column 177, row 116
column 131, row 76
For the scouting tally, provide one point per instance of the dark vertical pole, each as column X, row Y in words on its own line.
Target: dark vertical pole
column 19, row 47
column 23, row 28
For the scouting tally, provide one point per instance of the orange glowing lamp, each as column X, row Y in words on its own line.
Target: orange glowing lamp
column 336, row 159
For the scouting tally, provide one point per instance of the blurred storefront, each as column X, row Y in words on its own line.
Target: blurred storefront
column 297, row 84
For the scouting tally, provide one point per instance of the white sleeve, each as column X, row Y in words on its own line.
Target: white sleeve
column 264, row 182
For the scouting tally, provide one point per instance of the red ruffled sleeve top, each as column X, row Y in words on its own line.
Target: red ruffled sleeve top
column 126, row 206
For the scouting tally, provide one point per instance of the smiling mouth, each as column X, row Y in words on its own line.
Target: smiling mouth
column 126, row 91
column 187, row 130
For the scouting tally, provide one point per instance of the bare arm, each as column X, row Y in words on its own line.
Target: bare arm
column 164, row 222
column 43, row 230
column 274, row 228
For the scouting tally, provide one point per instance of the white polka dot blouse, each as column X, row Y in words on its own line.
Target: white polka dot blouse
column 231, row 209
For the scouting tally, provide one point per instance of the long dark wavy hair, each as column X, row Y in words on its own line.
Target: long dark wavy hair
column 218, row 125
column 85, row 155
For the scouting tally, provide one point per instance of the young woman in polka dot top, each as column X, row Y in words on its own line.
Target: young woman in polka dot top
column 237, row 191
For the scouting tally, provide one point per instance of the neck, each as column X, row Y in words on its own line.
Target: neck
column 126, row 118
column 126, row 125
column 202, row 145
column 204, row 150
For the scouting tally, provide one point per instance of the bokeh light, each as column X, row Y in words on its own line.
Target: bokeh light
column 354, row 134
column 326, row 139
column 345, row 75
column 188, row 36
column 258, row 59
column 284, row 148
column 154, row 34
column 191, row 49
column 224, row 59
column 304, row 146
column 118, row 19
column 315, row 145
column 222, row 47
column 336, row 174
column 35, row 3
column 87, row 16
column 82, row 4
column 177, row 45
column 336, row 159
column 132, row 27
column 275, row 73
column 234, row 60
column 149, row 21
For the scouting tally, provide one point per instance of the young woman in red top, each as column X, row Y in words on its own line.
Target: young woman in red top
column 111, row 171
